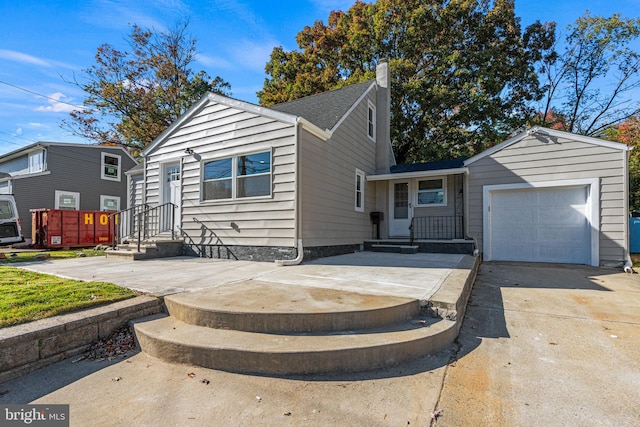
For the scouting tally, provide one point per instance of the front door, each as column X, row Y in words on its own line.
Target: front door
column 172, row 194
column 400, row 208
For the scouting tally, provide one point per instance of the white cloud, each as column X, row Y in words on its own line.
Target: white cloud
column 14, row 56
column 55, row 106
column 214, row 61
column 252, row 55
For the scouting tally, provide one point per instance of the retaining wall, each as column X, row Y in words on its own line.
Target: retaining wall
column 30, row 346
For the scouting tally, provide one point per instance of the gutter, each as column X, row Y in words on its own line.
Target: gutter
column 628, row 266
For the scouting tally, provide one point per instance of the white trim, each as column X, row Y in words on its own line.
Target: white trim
column 59, row 193
column 234, row 177
column 42, row 164
column 353, row 107
column 24, row 150
column 593, row 209
column 102, row 166
column 224, row 100
column 444, row 192
column 546, row 132
column 371, row 110
column 314, row 130
column 360, row 174
column 417, row 174
column 103, row 198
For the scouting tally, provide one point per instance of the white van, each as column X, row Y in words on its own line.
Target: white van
column 10, row 230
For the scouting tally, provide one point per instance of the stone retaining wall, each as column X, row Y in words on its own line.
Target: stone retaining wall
column 30, row 346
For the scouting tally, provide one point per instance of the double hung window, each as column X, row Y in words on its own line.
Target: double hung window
column 237, row 177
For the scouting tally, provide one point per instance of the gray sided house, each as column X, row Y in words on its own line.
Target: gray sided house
column 541, row 196
column 270, row 182
column 58, row 175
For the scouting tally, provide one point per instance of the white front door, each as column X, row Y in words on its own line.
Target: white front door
column 172, row 192
column 400, row 208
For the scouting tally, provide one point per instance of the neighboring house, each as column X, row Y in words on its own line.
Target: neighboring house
column 541, row 196
column 314, row 173
column 271, row 181
column 58, row 175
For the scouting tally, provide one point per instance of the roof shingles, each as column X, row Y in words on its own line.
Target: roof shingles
column 325, row 109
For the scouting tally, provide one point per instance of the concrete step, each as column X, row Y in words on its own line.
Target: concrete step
column 174, row 341
column 258, row 306
column 391, row 248
column 148, row 250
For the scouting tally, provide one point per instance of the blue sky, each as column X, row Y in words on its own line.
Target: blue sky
column 42, row 41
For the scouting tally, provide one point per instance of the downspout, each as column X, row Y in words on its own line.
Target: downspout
column 297, row 212
column 628, row 266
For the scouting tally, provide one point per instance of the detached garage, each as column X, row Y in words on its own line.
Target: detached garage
column 550, row 196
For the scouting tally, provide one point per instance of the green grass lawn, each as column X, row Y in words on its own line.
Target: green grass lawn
column 26, row 296
column 29, row 256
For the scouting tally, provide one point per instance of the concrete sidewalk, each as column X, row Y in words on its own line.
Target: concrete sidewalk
column 414, row 276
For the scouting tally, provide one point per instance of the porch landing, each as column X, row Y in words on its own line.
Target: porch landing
column 458, row 246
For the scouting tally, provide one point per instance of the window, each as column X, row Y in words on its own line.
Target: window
column 237, row 177
column 218, row 179
column 5, row 187
column 110, row 167
column 6, row 210
column 371, row 122
column 67, row 200
column 359, row 191
column 109, row 203
column 36, row 161
column 254, row 175
column 431, row 192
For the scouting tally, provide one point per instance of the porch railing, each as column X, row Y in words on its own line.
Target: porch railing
column 143, row 222
column 436, row 228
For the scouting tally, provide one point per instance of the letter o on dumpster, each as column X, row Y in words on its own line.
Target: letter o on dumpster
column 104, row 219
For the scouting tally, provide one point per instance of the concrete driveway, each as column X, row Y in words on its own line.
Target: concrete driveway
column 547, row 345
column 541, row 345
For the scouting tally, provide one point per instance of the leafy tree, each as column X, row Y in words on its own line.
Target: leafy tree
column 133, row 96
column 463, row 73
column 628, row 132
column 590, row 85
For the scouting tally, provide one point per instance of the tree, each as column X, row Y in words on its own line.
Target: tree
column 463, row 73
column 134, row 96
column 628, row 132
column 592, row 83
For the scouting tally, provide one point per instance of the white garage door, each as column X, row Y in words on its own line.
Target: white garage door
column 540, row 225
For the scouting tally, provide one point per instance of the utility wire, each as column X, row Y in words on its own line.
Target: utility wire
column 39, row 94
column 16, row 136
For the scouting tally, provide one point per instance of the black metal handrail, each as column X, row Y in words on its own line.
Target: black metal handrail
column 143, row 222
column 436, row 228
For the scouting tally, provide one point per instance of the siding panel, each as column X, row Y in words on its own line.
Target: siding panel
column 218, row 131
column 537, row 160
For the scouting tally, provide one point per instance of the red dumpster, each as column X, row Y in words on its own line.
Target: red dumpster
column 56, row 228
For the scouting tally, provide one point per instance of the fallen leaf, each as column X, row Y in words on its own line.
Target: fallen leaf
column 553, row 343
column 191, row 374
column 287, row 414
column 205, row 381
column 116, row 379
